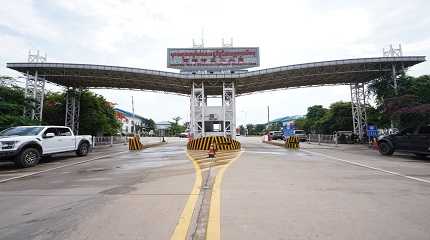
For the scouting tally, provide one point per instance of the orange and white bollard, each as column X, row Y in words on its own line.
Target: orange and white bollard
column 211, row 151
column 375, row 145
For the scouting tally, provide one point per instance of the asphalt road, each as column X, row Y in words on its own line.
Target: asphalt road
column 322, row 192
column 268, row 192
column 123, row 195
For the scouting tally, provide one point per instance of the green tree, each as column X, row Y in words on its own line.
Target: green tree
column 149, row 123
column 338, row 117
column 251, row 129
column 313, row 118
column 300, row 123
column 242, row 130
column 409, row 106
column 260, row 129
column 96, row 117
column 175, row 127
column 12, row 104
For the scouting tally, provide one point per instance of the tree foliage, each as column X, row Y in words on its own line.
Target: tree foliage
column 96, row 117
column 410, row 106
column 256, row 129
column 12, row 104
column 312, row 122
column 175, row 127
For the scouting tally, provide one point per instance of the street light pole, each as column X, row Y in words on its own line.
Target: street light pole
column 134, row 116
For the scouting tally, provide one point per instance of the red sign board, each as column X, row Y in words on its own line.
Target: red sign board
column 212, row 58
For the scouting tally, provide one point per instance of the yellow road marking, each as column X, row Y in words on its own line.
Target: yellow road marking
column 214, row 227
column 182, row 227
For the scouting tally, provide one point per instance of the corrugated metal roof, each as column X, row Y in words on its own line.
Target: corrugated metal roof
column 299, row 75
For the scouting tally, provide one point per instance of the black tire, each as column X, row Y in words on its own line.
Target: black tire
column 386, row 149
column 421, row 156
column 83, row 149
column 28, row 157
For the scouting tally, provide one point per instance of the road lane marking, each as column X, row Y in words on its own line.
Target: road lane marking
column 369, row 167
column 62, row 166
column 184, row 222
column 214, row 227
column 262, row 152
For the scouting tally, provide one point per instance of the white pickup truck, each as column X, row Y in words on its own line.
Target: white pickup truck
column 25, row 145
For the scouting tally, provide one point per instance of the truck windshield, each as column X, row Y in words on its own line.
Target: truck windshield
column 299, row 132
column 21, row 131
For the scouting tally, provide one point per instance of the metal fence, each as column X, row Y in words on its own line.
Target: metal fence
column 109, row 140
column 322, row 138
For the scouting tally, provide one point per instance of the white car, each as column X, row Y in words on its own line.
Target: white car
column 25, row 145
column 301, row 134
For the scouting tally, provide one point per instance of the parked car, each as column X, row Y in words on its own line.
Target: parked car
column 183, row 135
column 25, row 145
column 301, row 134
column 276, row 135
column 411, row 140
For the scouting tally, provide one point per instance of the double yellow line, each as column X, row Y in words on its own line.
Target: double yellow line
column 181, row 229
column 214, row 227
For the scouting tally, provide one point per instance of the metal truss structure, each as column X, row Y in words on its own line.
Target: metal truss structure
column 73, row 106
column 300, row 75
column 353, row 72
column 358, row 102
column 197, row 110
column 34, row 89
column 229, row 109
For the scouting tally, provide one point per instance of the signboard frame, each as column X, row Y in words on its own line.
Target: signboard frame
column 216, row 58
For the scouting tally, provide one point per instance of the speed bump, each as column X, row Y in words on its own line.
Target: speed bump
column 220, row 143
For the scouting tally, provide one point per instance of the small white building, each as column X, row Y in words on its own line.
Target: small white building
column 128, row 122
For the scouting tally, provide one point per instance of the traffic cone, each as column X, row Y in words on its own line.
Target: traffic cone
column 211, row 151
column 375, row 145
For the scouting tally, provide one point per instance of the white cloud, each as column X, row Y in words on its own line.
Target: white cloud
column 136, row 33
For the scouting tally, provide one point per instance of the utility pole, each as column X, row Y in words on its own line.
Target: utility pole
column 268, row 117
column 134, row 116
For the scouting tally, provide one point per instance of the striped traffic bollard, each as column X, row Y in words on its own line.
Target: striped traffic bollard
column 222, row 143
column 134, row 143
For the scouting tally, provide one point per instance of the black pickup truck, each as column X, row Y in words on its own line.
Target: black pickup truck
column 411, row 140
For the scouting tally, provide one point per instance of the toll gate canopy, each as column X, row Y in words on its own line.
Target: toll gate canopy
column 200, row 85
column 360, row 70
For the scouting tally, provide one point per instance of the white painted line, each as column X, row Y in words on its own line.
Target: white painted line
column 273, row 153
column 62, row 166
column 369, row 167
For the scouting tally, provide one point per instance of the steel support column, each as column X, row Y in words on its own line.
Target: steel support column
column 34, row 93
column 73, row 96
column 229, row 109
column 197, row 110
column 358, row 102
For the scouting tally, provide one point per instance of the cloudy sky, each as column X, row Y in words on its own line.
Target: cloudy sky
column 136, row 33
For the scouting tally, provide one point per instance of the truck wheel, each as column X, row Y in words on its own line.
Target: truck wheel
column 385, row 149
column 29, row 157
column 83, row 149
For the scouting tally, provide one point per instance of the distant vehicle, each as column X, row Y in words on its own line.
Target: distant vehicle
column 301, row 134
column 344, row 137
column 411, row 140
column 25, row 145
column 183, row 135
column 276, row 135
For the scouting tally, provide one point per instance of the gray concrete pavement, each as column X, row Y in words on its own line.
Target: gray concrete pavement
column 318, row 192
column 132, row 195
column 275, row 193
